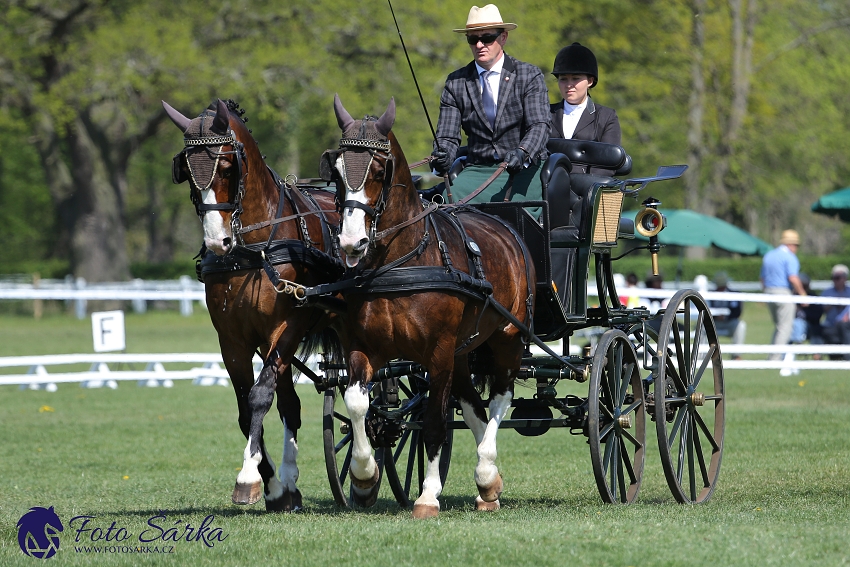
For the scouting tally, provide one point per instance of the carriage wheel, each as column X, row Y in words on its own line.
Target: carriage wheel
column 406, row 469
column 616, row 419
column 689, row 398
column 337, row 440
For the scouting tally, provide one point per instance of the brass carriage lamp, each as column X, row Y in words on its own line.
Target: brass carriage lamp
column 649, row 222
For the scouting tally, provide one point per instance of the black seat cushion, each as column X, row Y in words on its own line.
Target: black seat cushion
column 594, row 154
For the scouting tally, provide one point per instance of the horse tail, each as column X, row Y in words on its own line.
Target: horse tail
column 324, row 341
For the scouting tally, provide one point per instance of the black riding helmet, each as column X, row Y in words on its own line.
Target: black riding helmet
column 576, row 59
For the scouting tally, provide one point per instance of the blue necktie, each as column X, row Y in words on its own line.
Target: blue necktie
column 487, row 98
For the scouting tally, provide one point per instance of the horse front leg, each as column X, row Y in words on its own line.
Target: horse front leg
column 363, row 468
column 283, row 495
column 434, row 435
column 257, row 466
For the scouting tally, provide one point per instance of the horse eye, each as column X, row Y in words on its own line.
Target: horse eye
column 379, row 175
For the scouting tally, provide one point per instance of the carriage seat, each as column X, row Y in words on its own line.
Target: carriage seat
column 568, row 192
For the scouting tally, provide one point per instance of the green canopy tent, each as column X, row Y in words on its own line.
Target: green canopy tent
column 835, row 203
column 689, row 228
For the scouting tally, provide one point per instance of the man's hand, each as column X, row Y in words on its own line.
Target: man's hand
column 440, row 161
column 515, row 160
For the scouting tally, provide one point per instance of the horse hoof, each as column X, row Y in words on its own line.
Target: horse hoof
column 247, row 494
column 288, row 502
column 482, row 506
column 364, row 493
column 491, row 493
column 425, row 511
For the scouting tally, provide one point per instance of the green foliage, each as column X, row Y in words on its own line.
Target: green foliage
column 284, row 61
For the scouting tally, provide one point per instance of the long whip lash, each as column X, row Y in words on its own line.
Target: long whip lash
column 409, row 64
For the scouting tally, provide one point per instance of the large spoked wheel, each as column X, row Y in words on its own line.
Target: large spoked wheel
column 689, row 398
column 337, row 439
column 616, row 419
column 406, row 469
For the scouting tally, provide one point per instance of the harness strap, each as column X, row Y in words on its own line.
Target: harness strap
column 502, row 167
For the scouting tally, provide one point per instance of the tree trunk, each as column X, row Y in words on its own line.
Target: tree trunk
column 696, row 109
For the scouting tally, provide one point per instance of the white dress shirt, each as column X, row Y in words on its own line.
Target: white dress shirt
column 572, row 114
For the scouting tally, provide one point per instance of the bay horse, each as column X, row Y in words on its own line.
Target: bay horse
column 286, row 243
column 408, row 303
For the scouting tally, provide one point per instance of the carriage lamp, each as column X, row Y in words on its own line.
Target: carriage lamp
column 649, row 222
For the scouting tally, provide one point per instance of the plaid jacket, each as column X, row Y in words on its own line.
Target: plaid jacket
column 522, row 116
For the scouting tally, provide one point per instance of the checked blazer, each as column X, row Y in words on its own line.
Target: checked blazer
column 522, row 114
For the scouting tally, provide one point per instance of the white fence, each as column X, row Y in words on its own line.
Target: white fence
column 106, row 370
column 210, row 369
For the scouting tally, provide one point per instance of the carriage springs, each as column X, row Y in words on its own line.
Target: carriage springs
column 158, row 530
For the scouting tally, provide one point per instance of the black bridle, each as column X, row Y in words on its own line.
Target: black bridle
column 178, row 175
column 380, row 149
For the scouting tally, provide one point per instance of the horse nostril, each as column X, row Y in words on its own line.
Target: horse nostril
column 362, row 244
column 226, row 242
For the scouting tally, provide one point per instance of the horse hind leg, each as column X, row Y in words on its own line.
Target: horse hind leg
column 434, row 430
column 487, row 477
column 283, row 495
column 257, row 467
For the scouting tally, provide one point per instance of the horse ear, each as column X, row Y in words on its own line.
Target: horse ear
column 179, row 120
column 221, row 123
column 385, row 122
column 343, row 118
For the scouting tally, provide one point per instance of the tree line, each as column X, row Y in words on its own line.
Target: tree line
column 750, row 94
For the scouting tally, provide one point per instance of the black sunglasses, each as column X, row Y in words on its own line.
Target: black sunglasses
column 485, row 39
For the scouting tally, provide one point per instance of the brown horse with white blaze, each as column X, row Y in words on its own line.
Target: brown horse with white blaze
column 386, row 234
column 286, row 234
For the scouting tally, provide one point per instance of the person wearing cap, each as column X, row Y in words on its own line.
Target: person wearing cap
column 502, row 105
column 836, row 322
column 780, row 275
column 727, row 313
column 577, row 117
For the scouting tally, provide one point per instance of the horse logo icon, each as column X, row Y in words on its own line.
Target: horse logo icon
column 38, row 532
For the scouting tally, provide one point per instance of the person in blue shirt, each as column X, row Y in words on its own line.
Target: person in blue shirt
column 780, row 275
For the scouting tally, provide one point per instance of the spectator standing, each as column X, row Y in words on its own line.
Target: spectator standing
column 780, row 274
column 727, row 313
column 836, row 323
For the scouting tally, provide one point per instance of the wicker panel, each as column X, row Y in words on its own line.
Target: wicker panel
column 607, row 218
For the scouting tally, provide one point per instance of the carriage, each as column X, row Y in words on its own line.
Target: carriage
column 665, row 366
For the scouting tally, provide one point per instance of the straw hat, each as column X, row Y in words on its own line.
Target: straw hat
column 485, row 18
column 789, row 237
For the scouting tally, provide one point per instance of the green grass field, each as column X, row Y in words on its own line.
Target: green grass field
column 130, row 454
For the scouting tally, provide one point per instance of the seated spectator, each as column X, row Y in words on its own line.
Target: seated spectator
column 629, row 297
column 836, row 323
column 727, row 314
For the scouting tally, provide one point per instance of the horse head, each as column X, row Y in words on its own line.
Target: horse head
column 364, row 167
column 215, row 161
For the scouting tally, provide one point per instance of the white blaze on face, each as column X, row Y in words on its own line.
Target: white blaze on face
column 352, row 236
column 216, row 233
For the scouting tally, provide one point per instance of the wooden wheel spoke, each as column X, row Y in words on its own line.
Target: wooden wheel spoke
column 683, row 443
column 606, row 459
column 408, row 473
column 679, row 349
column 342, row 418
column 634, row 406
column 677, row 423
column 690, row 451
column 673, row 373
column 614, row 467
column 346, row 464
column 605, row 430
column 687, row 351
column 342, row 443
column 701, row 458
column 401, row 443
column 637, row 444
column 621, row 477
column 628, row 370
column 607, row 397
column 708, row 435
column 407, row 391
column 698, row 332
column 698, row 373
column 627, row 462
